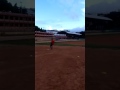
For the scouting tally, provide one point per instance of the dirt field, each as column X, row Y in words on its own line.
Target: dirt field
column 74, row 42
column 109, row 40
column 102, row 69
column 16, row 67
column 102, row 64
column 62, row 68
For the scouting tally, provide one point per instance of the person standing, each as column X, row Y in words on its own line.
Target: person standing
column 52, row 43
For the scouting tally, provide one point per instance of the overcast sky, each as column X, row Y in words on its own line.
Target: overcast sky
column 102, row 6
column 25, row 3
column 60, row 14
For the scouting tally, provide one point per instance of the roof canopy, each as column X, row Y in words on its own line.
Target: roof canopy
column 98, row 17
column 73, row 33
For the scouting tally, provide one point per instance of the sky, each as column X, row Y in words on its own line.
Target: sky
column 60, row 14
column 101, row 6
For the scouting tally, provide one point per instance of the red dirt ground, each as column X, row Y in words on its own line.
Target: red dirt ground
column 111, row 40
column 74, row 42
column 16, row 67
column 102, row 68
column 62, row 68
column 102, row 65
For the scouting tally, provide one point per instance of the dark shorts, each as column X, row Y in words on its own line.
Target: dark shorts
column 51, row 44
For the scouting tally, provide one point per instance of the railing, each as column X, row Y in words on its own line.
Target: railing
column 38, row 35
column 16, row 29
column 38, row 32
column 15, row 21
column 15, row 14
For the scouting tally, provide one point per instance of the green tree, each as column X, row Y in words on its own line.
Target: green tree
column 3, row 5
column 24, row 10
column 7, row 6
column 10, row 7
column 15, row 8
column 39, row 29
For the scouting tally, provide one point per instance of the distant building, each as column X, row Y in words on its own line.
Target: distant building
column 56, row 35
column 72, row 35
column 43, row 36
column 60, row 36
column 97, row 23
column 52, row 31
column 48, row 35
column 16, row 22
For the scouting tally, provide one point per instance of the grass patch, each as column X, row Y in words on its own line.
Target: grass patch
column 19, row 42
column 102, row 46
column 104, row 34
column 59, row 44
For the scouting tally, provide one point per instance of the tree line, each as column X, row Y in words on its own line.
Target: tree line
column 6, row 6
column 39, row 29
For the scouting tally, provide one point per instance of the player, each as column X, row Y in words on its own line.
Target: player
column 52, row 43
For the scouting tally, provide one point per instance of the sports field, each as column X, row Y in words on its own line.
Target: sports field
column 16, row 66
column 62, row 68
column 102, row 61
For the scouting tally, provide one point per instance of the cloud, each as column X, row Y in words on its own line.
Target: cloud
column 83, row 11
column 66, row 2
column 73, row 11
column 71, row 8
column 49, row 27
column 72, row 2
column 62, row 25
column 46, row 22
column 72, row 15
column 40, row 22
column 78, row 29
column 82, row 2
column 58, row 25
column 54, row 27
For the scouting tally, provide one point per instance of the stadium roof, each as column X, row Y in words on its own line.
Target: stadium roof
column 73, row 33
column 98, row 17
